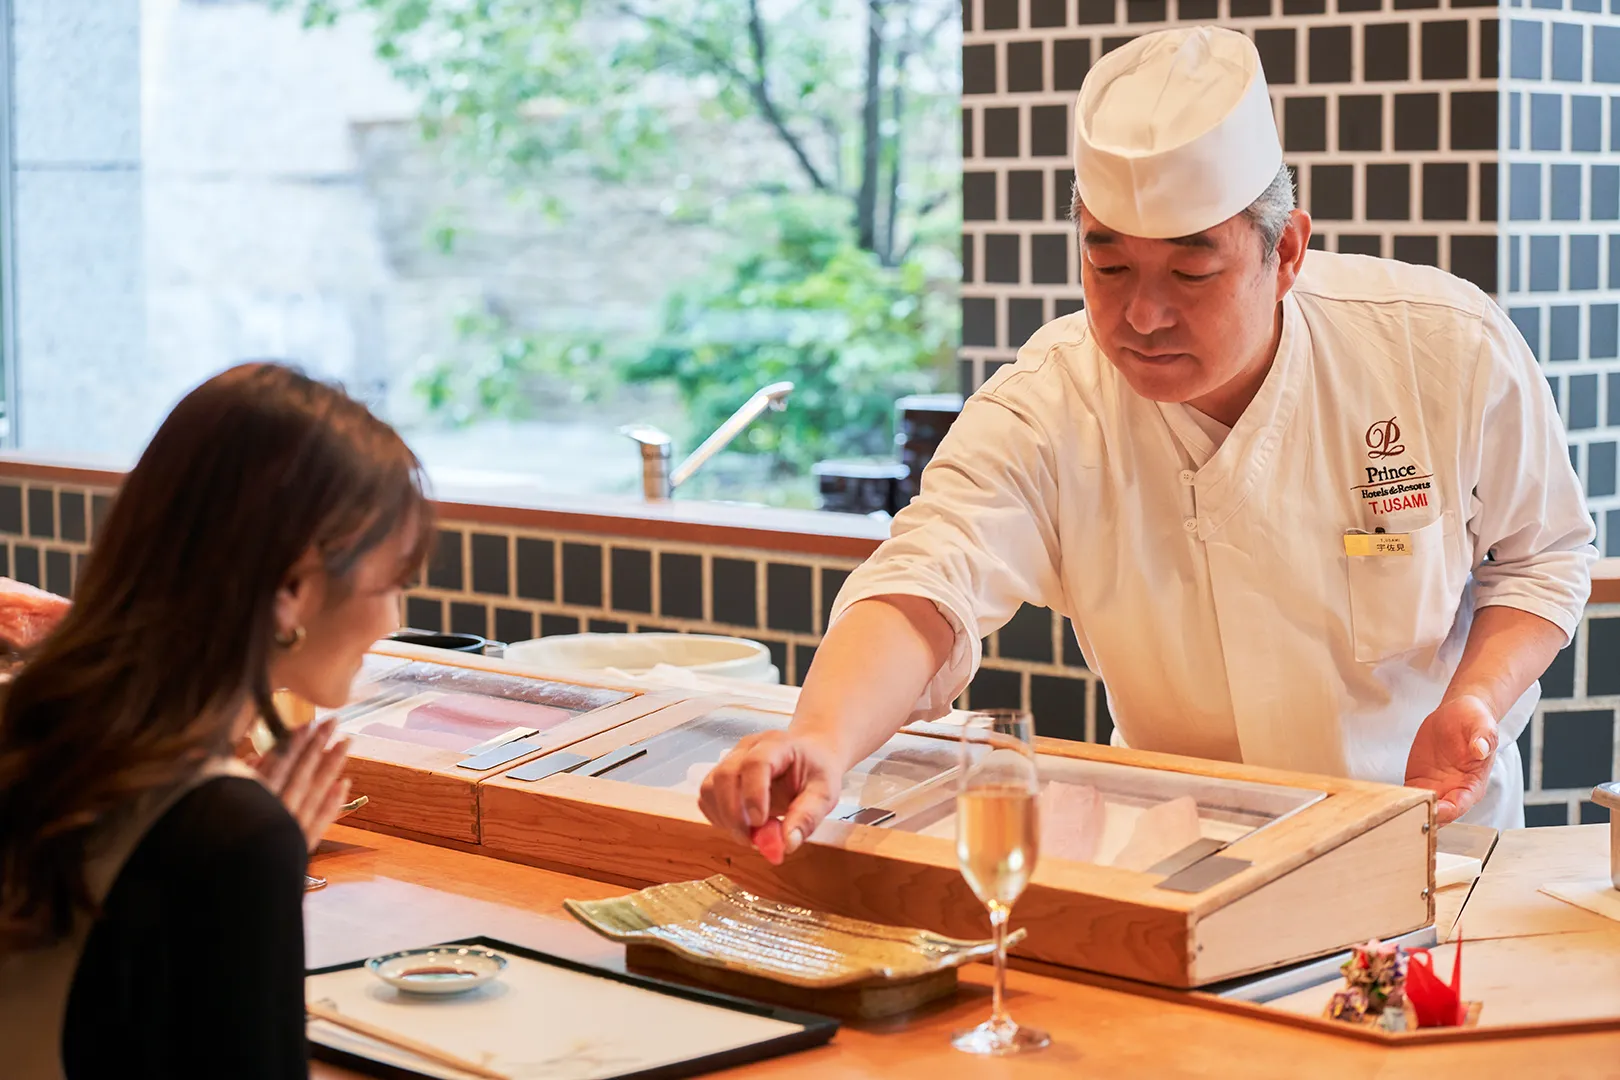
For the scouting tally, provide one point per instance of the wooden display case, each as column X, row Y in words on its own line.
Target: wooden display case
column 1169, row 870
column 426, row 725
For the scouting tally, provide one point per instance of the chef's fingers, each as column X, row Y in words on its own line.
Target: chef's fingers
column 756, row 776
column 718, row 798
column 815, row 802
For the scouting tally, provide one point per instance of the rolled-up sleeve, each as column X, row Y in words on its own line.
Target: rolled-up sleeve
column 978, row 541
column 1532, row 535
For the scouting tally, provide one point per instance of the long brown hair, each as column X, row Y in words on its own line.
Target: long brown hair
column 173, row 626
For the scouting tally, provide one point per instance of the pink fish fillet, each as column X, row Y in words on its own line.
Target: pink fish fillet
column 478, row 718
column 1072, row 817
column 444, row 740
column 1161, row 831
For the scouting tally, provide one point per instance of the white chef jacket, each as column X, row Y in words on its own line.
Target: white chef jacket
column 1207, row 577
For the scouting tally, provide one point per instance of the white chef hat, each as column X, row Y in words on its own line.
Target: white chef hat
column 1173, row 133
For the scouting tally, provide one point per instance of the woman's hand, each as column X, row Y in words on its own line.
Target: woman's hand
column 307, row 775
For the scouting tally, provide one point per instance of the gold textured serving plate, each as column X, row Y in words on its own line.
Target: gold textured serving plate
column 714, row 923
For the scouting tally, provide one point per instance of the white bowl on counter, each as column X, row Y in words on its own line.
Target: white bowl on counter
column 704, row 654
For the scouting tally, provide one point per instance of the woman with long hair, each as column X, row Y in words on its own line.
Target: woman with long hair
column 151, row 886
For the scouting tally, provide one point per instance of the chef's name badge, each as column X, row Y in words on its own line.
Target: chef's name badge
column 1357, row 545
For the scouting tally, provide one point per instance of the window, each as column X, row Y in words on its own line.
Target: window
column 512, row 231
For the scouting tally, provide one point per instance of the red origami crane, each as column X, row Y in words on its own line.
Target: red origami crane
column 1436, row 1003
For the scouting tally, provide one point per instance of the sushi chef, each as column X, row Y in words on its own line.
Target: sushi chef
column 1305, row 510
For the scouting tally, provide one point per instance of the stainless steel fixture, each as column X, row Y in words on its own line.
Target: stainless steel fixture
column 657, row 481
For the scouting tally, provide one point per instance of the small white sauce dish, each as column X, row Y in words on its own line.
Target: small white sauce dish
column 443, row 969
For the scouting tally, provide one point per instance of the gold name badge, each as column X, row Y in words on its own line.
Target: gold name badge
column 1360, row 544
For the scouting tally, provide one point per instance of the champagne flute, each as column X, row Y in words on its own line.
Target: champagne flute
column 997, row 844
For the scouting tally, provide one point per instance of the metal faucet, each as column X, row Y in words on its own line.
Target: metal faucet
column 657, row 481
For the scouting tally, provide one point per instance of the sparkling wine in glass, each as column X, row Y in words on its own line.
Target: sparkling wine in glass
column 997, row 844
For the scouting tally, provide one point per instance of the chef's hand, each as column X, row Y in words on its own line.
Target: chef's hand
column 1452, row 755
column 307, row 775
column 773, row 773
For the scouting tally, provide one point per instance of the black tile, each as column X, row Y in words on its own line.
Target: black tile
column 1304, row 124
column 1544, row 815
column 1277, row 55
column 1577, row 749
column 779, row 656
column 1062, row 194
column 979, row 320
column 967, row 132
column 978, row 196
column 1000, row 132
column 424, row 613
column 468, row 618
column 1603, row 343
column 1524, row 191
column 1109, row 44
column 1544, row 265
column 1583, row 262
column 1389, row 192
column 1048, row 134
column 1025, row 315
column 1558, row 681
column 1528, row 322
column 1568, row 52
column 1606, row 50
column 803, row 657
column 100, row 507
column 1000, row 14
column 1473, row 120
column 1488, row 193
column 1304, row 7
column 552, row 625
column 1361, row 122
column 733, row 591
column 1524, row 44
column 979, row 69
column 1611, row 545
column 1072, row 656
column 1602, row 657
column 1250, row 9
column 1403, row 5
column 1105, row 718
column 1565, row 202
column 444, row 562
column 1094, row 12
column 1614, row 261
column 1490, row 44
column 1600, row 469
column 1333, row 192
column 1444, row 50
column 489, row 564
column 649, row 628
column 967, row 258
column 1593, row 814
column 1317, row 242
column 70, row 506
column 1064, row 305
column 1420, row 250
column 1044, row 12
column 1026, row 195
column 582, row 574
column 993, row 689
column 1049, row 259
column 1025, row 67
column 1605, row 192
column 832, row 580
column 1361, row 244
column 11, row 513
column 1554, row 387
column 1071, row 59
column 1564, row 333
column 1139, row 11
column 1417, row 121
column 1546, row 122
column 965, row 381
column 1059, row 706
column 1027, row 636
column 788, row 601
column 1445, row 191
column 1197, row 10
column 631, row 570
column 1385, row 52
column 680, row 585
column 41, row 513
column 1585, row 124
column 607, row 626
column 512, row 625
column 536, row 569
column 59, row 572
column 1329, row 54
column 1001, row 263
column 1583, row 402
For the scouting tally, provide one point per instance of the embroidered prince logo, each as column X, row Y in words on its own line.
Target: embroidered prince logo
column 1384, row 440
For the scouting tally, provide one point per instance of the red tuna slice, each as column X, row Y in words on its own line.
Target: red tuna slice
column 771, row 843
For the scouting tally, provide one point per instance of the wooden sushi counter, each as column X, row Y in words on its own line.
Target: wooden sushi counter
column 1172, row 921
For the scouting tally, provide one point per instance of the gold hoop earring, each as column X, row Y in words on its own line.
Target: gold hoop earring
column 291, row 642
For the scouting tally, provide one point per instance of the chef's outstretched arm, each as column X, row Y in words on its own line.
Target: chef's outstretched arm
column 1532, row 551
column 905, row 633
